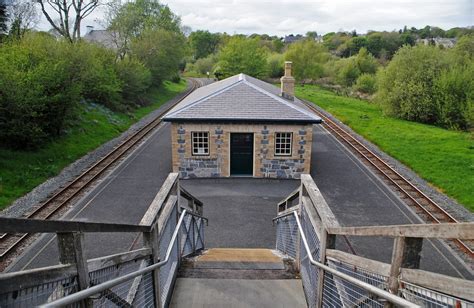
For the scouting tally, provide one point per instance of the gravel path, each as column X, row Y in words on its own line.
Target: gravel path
column 69, row 173
column 451, row 206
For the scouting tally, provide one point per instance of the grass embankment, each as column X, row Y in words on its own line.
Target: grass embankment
column 21, row 171
column 442, row 157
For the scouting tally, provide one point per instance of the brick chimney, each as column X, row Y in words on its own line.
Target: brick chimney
column 288, row 83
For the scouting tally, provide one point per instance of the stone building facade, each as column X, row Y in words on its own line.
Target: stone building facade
column 217, row 163
column 242, row 126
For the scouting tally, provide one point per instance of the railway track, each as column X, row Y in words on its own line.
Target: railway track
column 423, row 205
column 12, row 244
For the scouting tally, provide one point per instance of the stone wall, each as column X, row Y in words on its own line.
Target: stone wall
column 217, row 163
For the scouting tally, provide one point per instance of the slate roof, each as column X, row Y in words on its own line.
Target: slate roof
column 240, row 98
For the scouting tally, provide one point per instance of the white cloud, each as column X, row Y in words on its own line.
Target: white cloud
column 299, row 16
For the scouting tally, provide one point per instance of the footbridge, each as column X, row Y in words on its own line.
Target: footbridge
column 172, row 267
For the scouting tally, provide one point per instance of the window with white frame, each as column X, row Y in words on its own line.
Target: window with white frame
column 200, row 143
column 283, row 143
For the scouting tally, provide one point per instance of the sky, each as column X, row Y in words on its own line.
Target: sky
column 299, row 16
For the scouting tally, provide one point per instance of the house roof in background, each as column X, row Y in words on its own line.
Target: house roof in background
column 240, row 98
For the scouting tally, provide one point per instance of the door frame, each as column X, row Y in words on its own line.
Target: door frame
column 230, row 154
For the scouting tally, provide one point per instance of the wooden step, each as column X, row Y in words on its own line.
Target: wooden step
column 236, row 263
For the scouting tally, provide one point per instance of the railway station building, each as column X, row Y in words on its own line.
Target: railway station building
column 242, row 126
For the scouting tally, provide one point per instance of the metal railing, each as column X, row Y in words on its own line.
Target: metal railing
column 140, row 278
column 171, row 250
column 333, row 278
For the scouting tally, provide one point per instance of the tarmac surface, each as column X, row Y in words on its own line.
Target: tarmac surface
column 240, row 210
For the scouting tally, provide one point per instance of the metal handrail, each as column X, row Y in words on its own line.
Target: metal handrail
column 370, row 288
column 84, row 294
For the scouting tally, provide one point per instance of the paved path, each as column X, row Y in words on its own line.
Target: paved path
column 196, row 292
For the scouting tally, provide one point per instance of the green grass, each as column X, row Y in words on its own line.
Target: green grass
column 21, row 171
column 442, row 157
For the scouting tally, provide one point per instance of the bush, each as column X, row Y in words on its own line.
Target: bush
column 348, row 70
column 39, row 90
column 406, row 86
column 96, row 66
column 275, row 64
column 204, row 65
column 428, row 85
column 136, row 80
column 161, row 51
column 366, row 83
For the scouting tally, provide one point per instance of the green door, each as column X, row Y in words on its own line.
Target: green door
column 241, row 154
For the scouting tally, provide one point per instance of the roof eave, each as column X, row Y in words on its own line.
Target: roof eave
column 227, row 120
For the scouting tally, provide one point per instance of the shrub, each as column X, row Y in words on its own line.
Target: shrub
column 39, row 89
column 135, row 79
column 366, row 83
column 275, row 64
column 161, row 51
column 99, row 80
column 204, row 65
column 428, row 85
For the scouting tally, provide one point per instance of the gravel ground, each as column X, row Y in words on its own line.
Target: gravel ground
column 449, row 205
column 69, row 173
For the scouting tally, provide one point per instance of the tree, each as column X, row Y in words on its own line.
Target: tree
column 308, row 58
column 161, row 51
column 65, row 16
column 312, row 34
column 24, row 16
column 406, row 86
column 242, row 55
column 132, row 19
column 203, row 43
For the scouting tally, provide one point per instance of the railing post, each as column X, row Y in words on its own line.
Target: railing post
column 327, row 241
column 406, row 253
column 298, row 236
column 71, row 251
column 151, row 239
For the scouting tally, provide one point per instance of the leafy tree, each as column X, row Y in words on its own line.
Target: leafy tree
column 276, row 65
column 161, row 51
column 39, row 86
column 242, row 55
column 130, row 20
column 406, row 86
column 351, row 68
column 203, row 43
column 308, row 58
column 136, row 80
column 333, row 40
column 312, row 34
column 381, row 44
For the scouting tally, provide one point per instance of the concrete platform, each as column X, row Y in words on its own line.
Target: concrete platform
column 192, row 292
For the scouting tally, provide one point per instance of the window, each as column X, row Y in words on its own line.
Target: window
column 200, row 143
column 283, row 143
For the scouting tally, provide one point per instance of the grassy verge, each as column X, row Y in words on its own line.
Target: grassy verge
column 21, row 171
column 442, row 157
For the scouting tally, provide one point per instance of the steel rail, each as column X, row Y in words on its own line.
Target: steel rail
column 84, row 294
column 121, row 150
column 368, row 287
column 349, row 139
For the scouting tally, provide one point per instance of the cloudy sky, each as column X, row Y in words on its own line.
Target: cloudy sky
column 280, row 17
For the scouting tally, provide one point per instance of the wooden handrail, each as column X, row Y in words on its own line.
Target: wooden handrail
column 22, row 225
column 463, row 231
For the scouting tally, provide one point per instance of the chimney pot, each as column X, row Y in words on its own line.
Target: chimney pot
column 288, row 83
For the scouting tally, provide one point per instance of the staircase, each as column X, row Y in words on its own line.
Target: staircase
column 234, row 277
